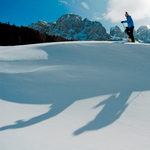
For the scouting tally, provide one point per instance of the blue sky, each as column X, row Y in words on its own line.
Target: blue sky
column 108, row 12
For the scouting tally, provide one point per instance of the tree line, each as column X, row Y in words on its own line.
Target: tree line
column 14, row 35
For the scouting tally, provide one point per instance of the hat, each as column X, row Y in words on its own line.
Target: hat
column 126, row 14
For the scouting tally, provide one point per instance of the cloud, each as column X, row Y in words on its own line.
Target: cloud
column 85, row 5
column 96, row 17
column 63, row 2
column 138, row 9
column 73, row 1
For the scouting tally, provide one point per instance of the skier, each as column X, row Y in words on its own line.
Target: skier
column 129, row 29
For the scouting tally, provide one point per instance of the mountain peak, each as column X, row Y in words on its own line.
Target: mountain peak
column 68, row 16
column 71, row 26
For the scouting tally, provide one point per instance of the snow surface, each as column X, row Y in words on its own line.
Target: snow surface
column 75, row 96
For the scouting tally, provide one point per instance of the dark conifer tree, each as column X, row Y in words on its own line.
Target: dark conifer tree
column 13, row 35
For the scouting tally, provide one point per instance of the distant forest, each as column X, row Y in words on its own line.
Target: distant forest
column 13, row 35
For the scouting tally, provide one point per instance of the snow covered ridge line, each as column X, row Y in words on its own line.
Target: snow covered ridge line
column 33, row 51
column 18, row 53
column 71, row 26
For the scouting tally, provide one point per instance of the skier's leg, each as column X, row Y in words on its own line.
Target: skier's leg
column 131, row 34
column 127, row 31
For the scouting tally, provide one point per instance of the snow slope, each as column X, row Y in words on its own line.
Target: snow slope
column 75, row 95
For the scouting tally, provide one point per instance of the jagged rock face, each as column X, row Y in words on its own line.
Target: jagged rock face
column 95, row 30
column 116, row 31
column 72, row 26
column 67, row 26
column 42, row 26
column 69, row 22
column 143, row 33
column 91, row 30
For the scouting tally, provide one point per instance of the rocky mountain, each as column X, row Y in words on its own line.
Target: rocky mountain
column 141, row 35
column 116, row 32
column 72, row 26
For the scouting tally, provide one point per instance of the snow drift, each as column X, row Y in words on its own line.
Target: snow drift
column 75, row 95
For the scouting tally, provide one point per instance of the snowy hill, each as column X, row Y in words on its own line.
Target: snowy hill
column 75, row 96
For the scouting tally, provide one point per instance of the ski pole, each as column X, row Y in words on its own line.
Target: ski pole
column 123, row 26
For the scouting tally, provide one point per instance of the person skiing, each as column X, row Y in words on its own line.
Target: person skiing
column 129, row 29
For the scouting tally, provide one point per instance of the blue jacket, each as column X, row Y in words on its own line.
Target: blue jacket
column 129, row 21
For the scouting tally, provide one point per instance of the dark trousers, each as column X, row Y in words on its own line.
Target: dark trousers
column 129, row 32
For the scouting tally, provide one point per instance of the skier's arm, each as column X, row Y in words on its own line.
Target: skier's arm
column 128, row 20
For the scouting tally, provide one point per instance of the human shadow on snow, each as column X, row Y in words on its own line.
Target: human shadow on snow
column 112, row 110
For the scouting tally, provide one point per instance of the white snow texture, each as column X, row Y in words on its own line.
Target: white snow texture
column 75, row 96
